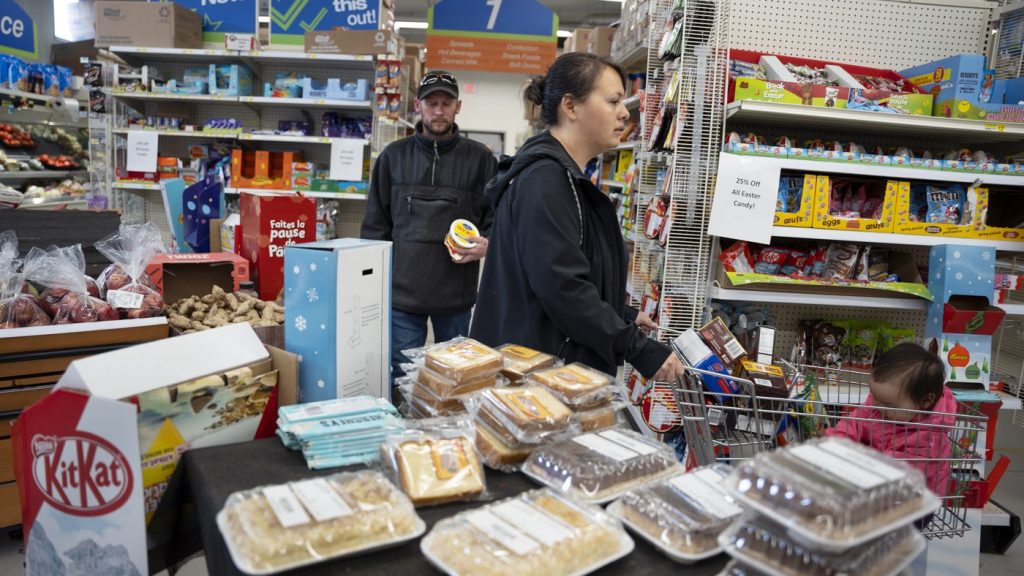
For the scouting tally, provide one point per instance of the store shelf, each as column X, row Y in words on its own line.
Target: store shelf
column 613, row 184
column 308, row 102
column 180, row 133
column 808, row 299
column 136, row 186
column 55, row 204
column 1010, row 402
column 38, row 98
column 633, row 102
column 137, row 53
column 896, row 239
column 892, row 172
column 896, row 125
column 174, row 97
column 286, row 56
column 291, row 139
column 634, row 59
column 7, row 176
column 330, row 195
column 626, row 145
column 1012, row 309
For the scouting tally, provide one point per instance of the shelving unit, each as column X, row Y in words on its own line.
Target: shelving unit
column 18, row 175
column 892, row 172
column 311, row 194
column 805, row 298
column 883, row 238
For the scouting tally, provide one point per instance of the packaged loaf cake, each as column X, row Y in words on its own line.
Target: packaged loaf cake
column 682, row 515
column 463, row 360
column 758, row 541
column 444, row 387
column 576, row 385
column 834, row 492
column 605, row 416
column 496, row 453
column 426, row 396
column 600, row 466
column 538, row 533
column 520, row 361
column 526, row 414
column 437, row 466
column 275, row 528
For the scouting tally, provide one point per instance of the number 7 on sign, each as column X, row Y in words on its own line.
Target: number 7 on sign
column 495, row 7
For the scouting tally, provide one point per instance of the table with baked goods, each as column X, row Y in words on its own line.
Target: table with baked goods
column 210, row 475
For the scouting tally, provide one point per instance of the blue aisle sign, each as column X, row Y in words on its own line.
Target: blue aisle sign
column 291, row 19
column 493, row 17
column 222, row 17
column 18, row 34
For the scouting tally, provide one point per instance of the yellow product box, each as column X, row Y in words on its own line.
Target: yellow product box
column 625, row 161
column 905, row 222
column 802, row 216
column 980, row 228
column 823, row 218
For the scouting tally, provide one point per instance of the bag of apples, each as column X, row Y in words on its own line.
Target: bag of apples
column 125, row 283
column 17, row 308
column 61, row 270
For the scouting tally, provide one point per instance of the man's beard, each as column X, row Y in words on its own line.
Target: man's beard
column 429, row 127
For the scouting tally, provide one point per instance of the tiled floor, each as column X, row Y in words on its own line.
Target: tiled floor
column 1010, row 494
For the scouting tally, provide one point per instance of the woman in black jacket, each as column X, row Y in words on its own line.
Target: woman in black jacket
column 555, row 274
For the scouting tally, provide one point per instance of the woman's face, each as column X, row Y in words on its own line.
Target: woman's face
column 603, row 116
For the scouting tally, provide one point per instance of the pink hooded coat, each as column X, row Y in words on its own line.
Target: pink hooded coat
column 923, row 442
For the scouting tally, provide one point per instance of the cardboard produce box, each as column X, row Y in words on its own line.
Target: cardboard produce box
column 269, row 223
column 178, row 276
column 154, row 25
column 352, row 42
column 600, row 41
column 338, row 317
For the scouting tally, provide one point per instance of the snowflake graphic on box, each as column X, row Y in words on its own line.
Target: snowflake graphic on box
column 321, row 383
column 956, row 254
column 312, row 266
column 312, row 295
column 296, row 270
column 300, row 323
column 986, row 256
column 300, row 358
column 959, row 275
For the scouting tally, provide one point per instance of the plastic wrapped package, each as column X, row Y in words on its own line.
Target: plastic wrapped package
column 444, row 387
column 607, row 415
column 757, row 541
column 601, row 466
column 520, row 361
column 683, row 515
column 60, row 270
column 276, row 528
column 521, row 415
column 496, row 453
column 436, row 466
column 537, row 533
column 576, row 385
column 424, row 396
column 833, row 492
column 125, row 283
column 737, row 568
column 463, row 360
column 18, row 309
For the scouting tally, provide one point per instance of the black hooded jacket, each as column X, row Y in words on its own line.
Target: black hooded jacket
column 418, row 187
column 555, row 274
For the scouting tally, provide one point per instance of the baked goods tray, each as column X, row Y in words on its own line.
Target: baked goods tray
column 615, row 509
column 604, row 496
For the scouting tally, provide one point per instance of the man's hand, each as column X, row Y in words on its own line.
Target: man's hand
column 670, row 370
column 644, row 322
column 475, row 253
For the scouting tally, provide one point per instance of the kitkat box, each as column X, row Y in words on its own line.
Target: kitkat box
column 269, row 223
column 76, row 461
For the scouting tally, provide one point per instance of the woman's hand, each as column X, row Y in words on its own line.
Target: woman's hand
column 670, row 370
column 644, row 322
column 475, row 253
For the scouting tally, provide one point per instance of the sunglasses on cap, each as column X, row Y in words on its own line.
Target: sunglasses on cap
column 431, row 78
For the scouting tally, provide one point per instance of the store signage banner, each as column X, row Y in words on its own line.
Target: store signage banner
column 746, row 191
column 18, row 34
column 291, row 19
column 222, row 17
column 518, row 36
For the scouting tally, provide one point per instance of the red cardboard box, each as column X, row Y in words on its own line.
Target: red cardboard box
column 178, row 276
column 269, row 223
column 971, row 315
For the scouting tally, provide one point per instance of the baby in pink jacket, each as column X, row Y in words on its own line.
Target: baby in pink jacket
column 909, row 413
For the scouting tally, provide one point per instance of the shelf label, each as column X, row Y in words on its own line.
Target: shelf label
column 746, row 191
column 347, row 159
column 996, row 127
column 142, row 151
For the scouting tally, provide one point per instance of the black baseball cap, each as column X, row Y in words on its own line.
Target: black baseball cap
column 438, row 81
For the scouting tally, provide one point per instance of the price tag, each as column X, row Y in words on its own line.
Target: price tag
column 346, row 159
column 124, row 299
column 142, row 151
column 996, row 127
column 746, row 191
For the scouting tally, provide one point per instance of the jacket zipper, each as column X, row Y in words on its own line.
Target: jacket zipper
column 433, row 167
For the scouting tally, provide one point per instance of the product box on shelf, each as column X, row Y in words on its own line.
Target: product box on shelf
column 802, row 217
column 368, row 42
column 965, row 88
column 230, row 80
column 823, row 200
column 154, row 25
column 599, row 41
column 333, row 89
column 338, row 317
column 579, row 41
column 971, row 315
column 904, row 222
column 270, row 222
column 790, row 93
column 262, row 169
column 178, row 276
column 759, row 149
column 991, row 210
column 625, row 160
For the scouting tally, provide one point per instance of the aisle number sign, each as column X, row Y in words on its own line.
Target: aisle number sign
column 18, row 34
column 517, row 36
column 291, row 19
column 221, row 17
column 746, row 191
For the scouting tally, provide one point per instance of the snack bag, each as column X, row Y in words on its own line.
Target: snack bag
column 60, row 270
column 918, row 203
column 770, row 259
column 945, row 205
column 828, row 338
column 17, row 309
column 889, row 337
column 736, row 258
column 840, row 261
column 795, row 264
column 125, row 282
column 860, row 344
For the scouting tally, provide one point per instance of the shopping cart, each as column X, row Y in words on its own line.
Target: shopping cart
column 732, row 426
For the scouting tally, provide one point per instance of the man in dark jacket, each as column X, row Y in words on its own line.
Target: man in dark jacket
column 556, row 278
column 419, row 185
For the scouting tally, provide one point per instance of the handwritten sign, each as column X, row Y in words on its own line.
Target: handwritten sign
column 347, row 159
column 142, row 150
column 746, row 192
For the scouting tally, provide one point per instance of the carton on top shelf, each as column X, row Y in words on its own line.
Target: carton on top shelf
column 154, row 25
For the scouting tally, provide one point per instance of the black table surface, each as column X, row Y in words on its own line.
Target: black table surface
column 212, row 474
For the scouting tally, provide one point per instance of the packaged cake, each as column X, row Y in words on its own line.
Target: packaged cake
column 683, row 515
column 537, row 533
column 438, row 466
column 426, row 396
column 496, row 453
column 758, row 541
column 463, row 360
column 600, row 466
column 737, row 568
column 275, row 528
column 444, row 387
column 833, row 492
column 605, row 416
column 521, row 415
column 576, row 385
column 521, row 361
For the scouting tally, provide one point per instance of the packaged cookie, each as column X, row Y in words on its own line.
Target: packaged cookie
column 444, row 387
column 576, row 385
column 520, row 361
column 683, row 515
column 463, row 360
column 536, row 533
column 600, row 466
column 498, row 454
column 758, row 541
column 522, row 415
column 436, row 466
column 832, row 492
column 275, row 528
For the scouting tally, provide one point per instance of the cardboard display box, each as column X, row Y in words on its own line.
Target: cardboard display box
column 822, row 218
column 178, row 276
column 262, row 169
column 600, row 41
column 903, row 224
column 338, row 317
column 269, row 223
column 154, row 25
column 803, row 217
column 352, row 42
column 964, row 87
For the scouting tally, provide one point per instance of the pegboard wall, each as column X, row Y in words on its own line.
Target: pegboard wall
column 890, row 34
